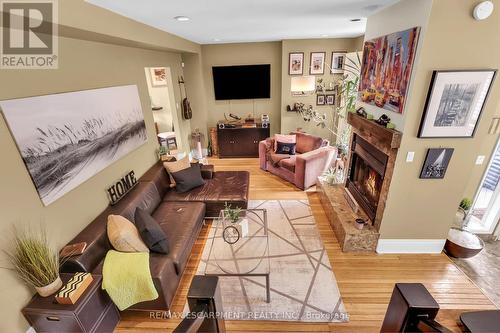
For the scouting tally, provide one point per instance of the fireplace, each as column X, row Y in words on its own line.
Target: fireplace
column 366, row 175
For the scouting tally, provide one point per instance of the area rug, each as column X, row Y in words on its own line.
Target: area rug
column 302, row 283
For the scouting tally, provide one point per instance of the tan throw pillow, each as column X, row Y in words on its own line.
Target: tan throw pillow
column 124, row 236
column 176, row 166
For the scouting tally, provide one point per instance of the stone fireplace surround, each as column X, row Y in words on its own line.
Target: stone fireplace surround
column 377, row 147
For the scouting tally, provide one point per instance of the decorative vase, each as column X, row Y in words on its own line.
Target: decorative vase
column 359, row 224
column 242, row 226
column 50, row 289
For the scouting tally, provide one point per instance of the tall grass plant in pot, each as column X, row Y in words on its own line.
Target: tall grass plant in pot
column 35, row 261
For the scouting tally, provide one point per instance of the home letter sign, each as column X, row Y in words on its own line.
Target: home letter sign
column 121, row 187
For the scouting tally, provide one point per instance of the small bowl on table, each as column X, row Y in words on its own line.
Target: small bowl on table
column 462, row 243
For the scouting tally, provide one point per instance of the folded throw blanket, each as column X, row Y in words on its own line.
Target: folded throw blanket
column 127, row 279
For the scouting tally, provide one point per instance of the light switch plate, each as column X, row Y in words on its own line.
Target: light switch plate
column 480, row 159
column 410, row 156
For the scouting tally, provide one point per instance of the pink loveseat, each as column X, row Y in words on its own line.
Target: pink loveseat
column 313, row 156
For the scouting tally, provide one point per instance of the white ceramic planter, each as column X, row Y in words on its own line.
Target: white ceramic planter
column 50, row 289
column 242, row 227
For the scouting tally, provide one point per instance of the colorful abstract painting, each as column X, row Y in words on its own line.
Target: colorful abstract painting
column 386, row 69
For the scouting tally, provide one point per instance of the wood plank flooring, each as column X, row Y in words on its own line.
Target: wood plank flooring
column 365, row 280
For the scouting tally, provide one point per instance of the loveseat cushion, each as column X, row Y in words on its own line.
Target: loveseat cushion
column 225, row 186
column 181, row 222
column 288, row 163
column 307, row 142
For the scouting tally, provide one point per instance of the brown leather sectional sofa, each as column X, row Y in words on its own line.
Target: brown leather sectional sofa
column 180, row 215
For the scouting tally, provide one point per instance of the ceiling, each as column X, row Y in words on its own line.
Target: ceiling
column 231, row 21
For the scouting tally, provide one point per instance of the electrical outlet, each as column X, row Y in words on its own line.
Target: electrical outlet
column 410, row 156
column 480, row 159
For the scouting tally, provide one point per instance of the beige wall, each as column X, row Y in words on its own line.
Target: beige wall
column 424, row 209
column 82, row 65
column 291, row 120
column 243, row 54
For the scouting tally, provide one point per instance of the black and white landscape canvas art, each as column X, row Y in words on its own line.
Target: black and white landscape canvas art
column 64, row 139
column 454, row 103
column 436, row 163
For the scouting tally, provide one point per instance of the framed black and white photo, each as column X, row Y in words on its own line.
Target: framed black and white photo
column 65, row 139
column 338, row 62
column 320, row 100
column 330, row 99
column 454, row 103
column 436, row 162
column 296, row 63
column 317, row 64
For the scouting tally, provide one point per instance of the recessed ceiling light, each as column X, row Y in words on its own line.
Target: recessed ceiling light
column 216, row 39
column 324, row 35
column 355, row 20
column 182, row 18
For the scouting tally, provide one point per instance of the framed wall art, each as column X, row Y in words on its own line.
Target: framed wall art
column 296, row 63
column 158, row 76
column 320, row 100
column 330, row 99
column 338, row 62
column 436, row 163
column 454, row 103
column 386, row 69
column 317, row 64
column 65, row 139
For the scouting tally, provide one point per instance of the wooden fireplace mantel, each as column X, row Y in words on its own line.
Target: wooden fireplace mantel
column 384, row 139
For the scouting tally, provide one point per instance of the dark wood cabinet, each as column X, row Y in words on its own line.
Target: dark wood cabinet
column 240, row 141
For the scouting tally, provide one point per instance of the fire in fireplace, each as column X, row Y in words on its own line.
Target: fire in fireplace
column 366, row 175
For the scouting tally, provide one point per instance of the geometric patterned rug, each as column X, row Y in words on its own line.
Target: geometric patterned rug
column 302, row 283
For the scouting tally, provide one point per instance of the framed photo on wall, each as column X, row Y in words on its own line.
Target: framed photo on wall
column 158, row 76
column 320, row 100
column 436, row 163
column 454, row 103
column 330, row 99
column 338, row 62
column 296, row 63
column 317, row 64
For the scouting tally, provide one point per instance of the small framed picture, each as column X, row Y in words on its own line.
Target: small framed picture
column 320, row 100
column 436, row 162
column 158, row 76
column 338, row 62
column 330, row 99
column 296, row 63
column 317, row 65
column 454, row 103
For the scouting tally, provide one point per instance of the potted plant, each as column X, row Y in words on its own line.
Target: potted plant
column 233, row 215
column 463, row 210
column 35, row 261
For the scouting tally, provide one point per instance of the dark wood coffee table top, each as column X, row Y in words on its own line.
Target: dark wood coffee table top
column 481, row 321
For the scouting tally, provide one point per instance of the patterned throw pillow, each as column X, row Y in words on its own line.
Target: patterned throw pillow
column 124, row 236
column 291, row 138
column 285, row 148
column 175, row 166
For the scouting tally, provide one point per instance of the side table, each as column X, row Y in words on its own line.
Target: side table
column 93, row 312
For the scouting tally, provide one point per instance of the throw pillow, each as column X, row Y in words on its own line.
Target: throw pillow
column 291, row 138
column 285, row 148
column 124, row 236
column 188, row 179
column 151, row 232
column 175, row 166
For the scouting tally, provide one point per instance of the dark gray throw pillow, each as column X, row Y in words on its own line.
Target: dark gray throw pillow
column 188, row 179
column 151, row 232
column 285, row 148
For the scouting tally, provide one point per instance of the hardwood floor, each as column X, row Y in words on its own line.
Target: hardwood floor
column 365, row 280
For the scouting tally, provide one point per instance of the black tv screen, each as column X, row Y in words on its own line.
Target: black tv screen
column 242, row 82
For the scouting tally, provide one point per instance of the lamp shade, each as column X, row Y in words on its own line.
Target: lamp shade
column 303, row 84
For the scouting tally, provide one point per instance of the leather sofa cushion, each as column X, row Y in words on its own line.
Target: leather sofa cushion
column 288, row 163
column 124, row 236
column 307, row 142
column 143, row 195
column 181, row 222
column 225, row 186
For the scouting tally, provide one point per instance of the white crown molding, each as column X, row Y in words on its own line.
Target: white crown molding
column 410, row 245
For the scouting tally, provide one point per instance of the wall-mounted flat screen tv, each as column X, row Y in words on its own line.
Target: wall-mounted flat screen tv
column 242, row 82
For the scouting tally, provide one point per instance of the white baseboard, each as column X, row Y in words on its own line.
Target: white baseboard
column 410, row 245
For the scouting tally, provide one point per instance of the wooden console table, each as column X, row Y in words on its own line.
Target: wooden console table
column 240, row 141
